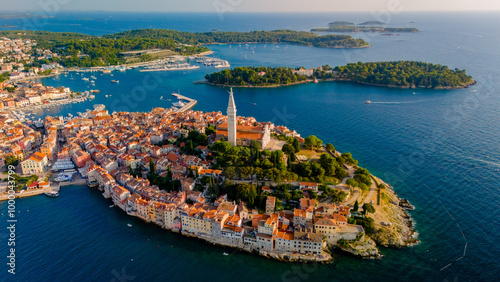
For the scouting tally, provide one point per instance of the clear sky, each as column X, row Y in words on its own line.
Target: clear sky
column 251, row 5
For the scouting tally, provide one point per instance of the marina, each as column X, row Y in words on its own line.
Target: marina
column 214, row 62
column 22, row 113
column 67, row 175
column 166, row 66
column 180, row 106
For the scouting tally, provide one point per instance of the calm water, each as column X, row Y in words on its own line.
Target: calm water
column 438, row 148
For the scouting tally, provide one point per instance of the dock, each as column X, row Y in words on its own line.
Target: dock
column 189, row 105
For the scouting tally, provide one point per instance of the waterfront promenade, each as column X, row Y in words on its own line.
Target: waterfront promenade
column 28, row 193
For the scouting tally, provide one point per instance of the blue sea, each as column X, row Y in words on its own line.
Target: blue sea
column 437, row 148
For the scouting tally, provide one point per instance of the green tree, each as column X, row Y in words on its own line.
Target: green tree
column 330, row 147
column 352, row 183
column 11, row 160
column 339, row 197
column 254, row 144
column 288, row 149
column 368, row 208
column 312, row 142
column 210, row 130
column 296, row 145
column 368, row 225
column 356, row 206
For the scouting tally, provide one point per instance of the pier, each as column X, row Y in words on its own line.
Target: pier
column 189, row 105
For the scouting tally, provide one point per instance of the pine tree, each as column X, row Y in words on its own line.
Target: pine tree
column 296, row 145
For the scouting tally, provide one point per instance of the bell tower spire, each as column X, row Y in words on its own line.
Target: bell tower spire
column 231, row 119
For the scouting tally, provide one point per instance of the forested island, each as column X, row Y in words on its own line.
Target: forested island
column 256, row 76
column 369, row 26
column 81, row 50
column 410, row 74
column 405, row 74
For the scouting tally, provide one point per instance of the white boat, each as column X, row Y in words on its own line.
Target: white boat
column 111, row 206
column 129, row 225
column 52, row 194
column 226, row 254
column 179, row 104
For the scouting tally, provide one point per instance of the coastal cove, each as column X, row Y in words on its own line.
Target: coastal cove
column 435, row 147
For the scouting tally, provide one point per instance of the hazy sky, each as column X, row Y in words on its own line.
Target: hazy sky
column 251, row 5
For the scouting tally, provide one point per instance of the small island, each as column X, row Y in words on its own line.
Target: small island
column 368, row 26
column 403, row 74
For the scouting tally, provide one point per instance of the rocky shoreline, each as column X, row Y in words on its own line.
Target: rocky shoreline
column 467, row 85
column 364, row 247
column 339, row 79
column 398, row 230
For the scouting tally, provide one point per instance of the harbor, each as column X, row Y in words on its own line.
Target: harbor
column 169, row 67
column 23, row 113
column 214, row 62
column 181, row 106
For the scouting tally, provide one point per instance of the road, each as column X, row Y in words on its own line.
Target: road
column 373, row 189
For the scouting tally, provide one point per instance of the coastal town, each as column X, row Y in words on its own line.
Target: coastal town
column 166, row 167
column 17, row 58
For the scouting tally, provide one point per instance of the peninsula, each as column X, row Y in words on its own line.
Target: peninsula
column 403, row 74
column 228, row 180
column 369, row 26
column 81, row 50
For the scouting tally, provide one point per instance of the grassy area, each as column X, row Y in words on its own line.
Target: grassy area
column 310, row 154
column 154, row 56
column 331, row 181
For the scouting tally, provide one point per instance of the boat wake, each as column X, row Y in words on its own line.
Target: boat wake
column 409, row 102
column 476, row 35
column 496, row 164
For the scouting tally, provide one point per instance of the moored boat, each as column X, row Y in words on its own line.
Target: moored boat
column 52, row 194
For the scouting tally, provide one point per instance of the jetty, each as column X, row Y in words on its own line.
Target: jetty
column 189, row 105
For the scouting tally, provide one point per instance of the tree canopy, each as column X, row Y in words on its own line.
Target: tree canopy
column 255, row 76
column 400, row 73
column 312, row 142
